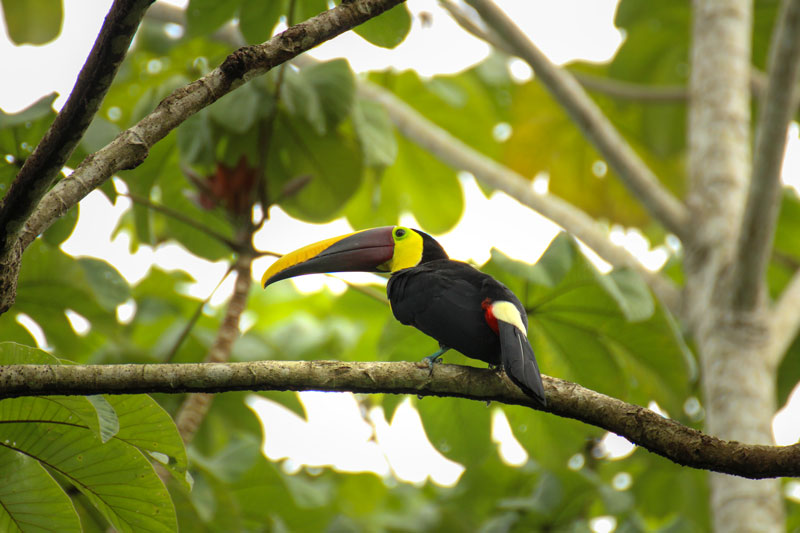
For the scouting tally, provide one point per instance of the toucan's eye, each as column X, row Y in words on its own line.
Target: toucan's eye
column 399, row 233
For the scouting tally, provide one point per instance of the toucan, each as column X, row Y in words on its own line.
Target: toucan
column 451, row 301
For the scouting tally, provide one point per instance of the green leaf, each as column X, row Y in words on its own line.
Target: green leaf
column 460, row 429
column 302, row 100
column 195, row 139
column 205, row 16
column 30, row 499
column 106, row 417
column 33, row 21
column 258, row 18
column 41, row 108
column 108, row 285
column 115, row 477
column 147, row 426
column 237, row 111
column 305, row 9
column 60, row 230
column 387, row 29
column 605, row 332
column 375, row 133
column 62, row 434
column 20, row 133
column 335, row 86
column 333, row 161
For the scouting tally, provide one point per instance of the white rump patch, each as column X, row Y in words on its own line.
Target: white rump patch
column 508, row 312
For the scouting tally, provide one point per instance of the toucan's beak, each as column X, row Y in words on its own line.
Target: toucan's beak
column 363, row 251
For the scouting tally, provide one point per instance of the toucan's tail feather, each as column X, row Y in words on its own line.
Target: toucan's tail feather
column 519, row 362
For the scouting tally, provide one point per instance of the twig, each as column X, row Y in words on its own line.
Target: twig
column 763, row 202
column 193, row 320
column 633, row 172
column 458, row 155
column 663, row 436
column 195, row 407
column 47, row 160
column 177, row 215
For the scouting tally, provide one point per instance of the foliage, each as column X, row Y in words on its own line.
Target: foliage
column 324, row 153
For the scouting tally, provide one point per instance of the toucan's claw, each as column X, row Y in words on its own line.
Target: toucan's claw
column 434, row 357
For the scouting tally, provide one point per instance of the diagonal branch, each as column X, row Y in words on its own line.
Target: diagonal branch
column 663, row 436
column 458, row 155
column 598, row 129
column 52, row 152
column 763, row 201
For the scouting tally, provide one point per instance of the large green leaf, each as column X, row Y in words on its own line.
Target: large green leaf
column 205, row 16
column 387, row 29
column 332, row 161
column 460, row 429
column 335, row 86
column 34, row 21
column 604, row 331
column 375, row 134
column 30, row 499
column 95, row 445
column 417, row 183
column 257, row 18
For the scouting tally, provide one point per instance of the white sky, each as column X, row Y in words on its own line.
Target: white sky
column 565, row 30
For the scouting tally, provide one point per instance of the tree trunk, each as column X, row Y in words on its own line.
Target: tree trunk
column 738, row 382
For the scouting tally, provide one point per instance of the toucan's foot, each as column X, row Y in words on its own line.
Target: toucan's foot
column 434, row 357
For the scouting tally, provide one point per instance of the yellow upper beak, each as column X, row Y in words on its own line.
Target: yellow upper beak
column 366, row 251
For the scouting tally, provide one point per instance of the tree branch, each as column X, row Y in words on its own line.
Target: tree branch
column 131, row 147
column 611, row 87
column 598, row 129
column 458, row 155
column 52, row 152
column 663, row 436
column 763, row 200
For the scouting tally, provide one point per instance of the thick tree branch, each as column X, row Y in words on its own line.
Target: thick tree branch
column 763, row 201
column 665, row 437
column 52, row 152
column 598, row 129
column 94, row 79
column 131, row 147
column 458, row 155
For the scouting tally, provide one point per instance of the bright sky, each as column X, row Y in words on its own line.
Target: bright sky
column 566, row 30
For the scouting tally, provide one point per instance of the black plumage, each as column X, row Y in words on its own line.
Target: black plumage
column 447, row 300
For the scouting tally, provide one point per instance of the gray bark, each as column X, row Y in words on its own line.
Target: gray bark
column 738, row 382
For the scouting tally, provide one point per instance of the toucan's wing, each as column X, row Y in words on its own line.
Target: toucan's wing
column 518, row 360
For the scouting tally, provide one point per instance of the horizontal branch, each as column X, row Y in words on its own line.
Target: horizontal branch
column 455, row 153
column 665, row 437
column 631, row 169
